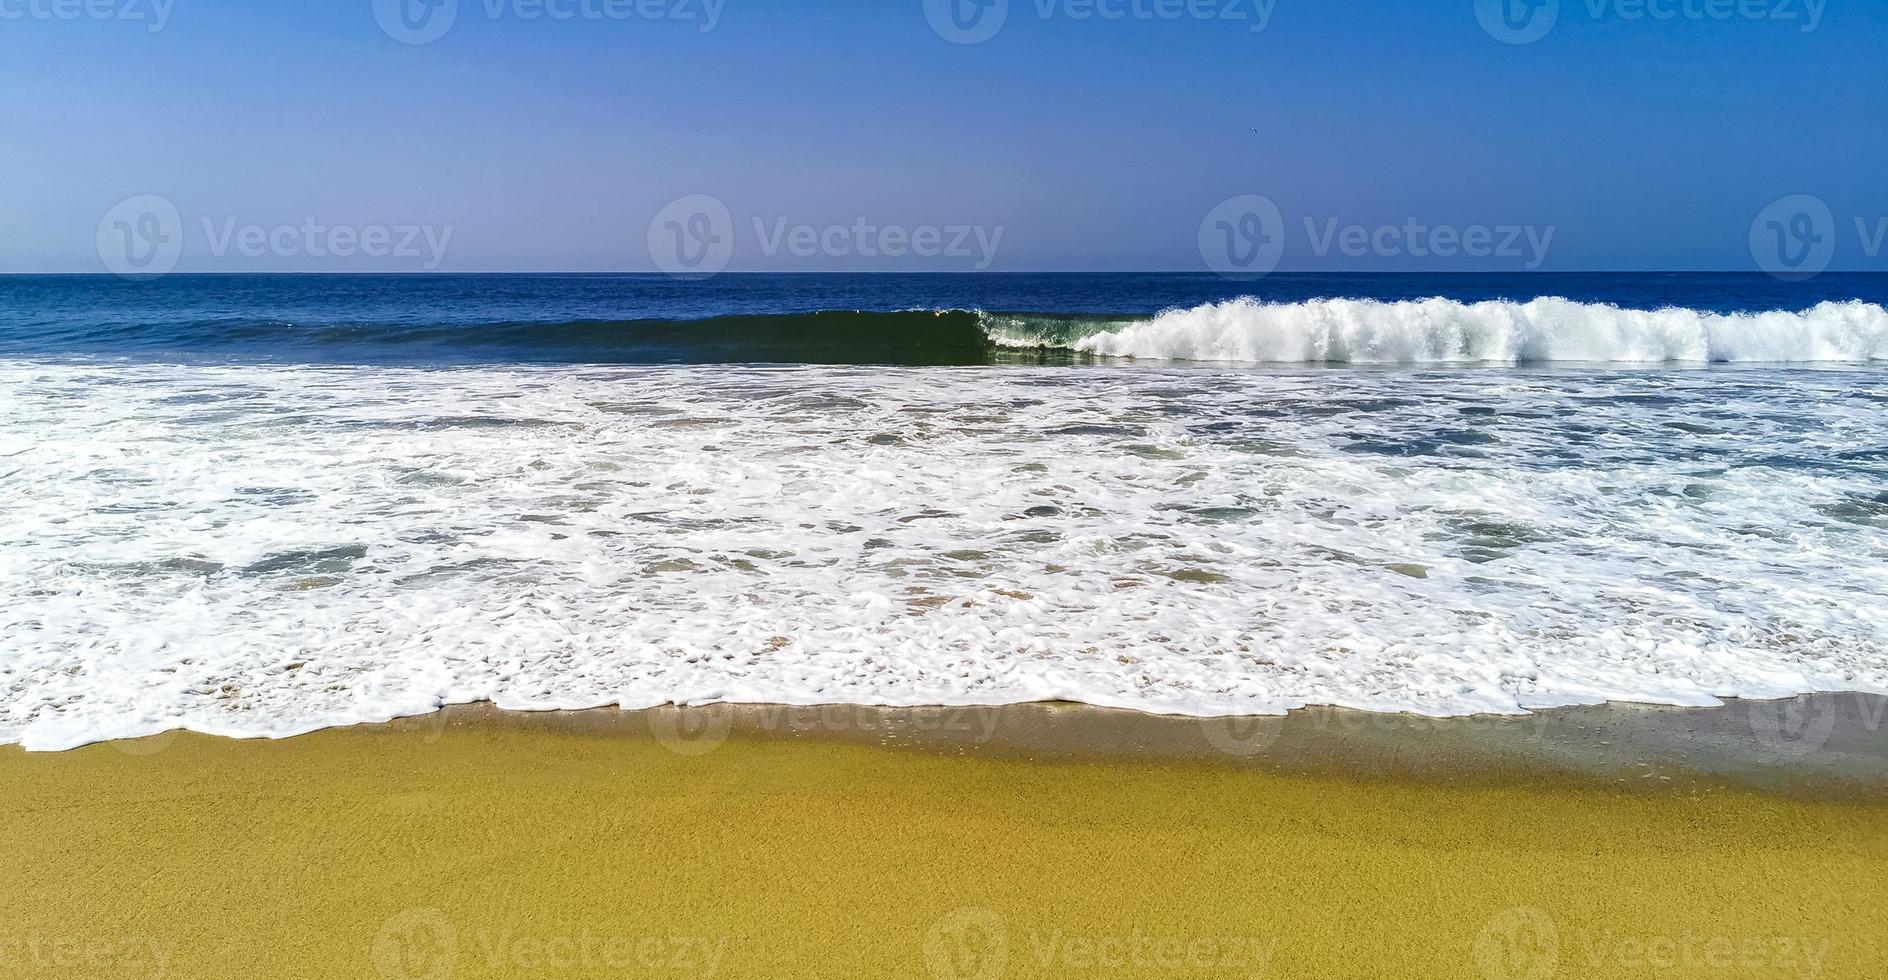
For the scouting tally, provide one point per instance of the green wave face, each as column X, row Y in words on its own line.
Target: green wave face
column 1047, row 330
column 906, row 338
column 1432, row 331
column 916, row 338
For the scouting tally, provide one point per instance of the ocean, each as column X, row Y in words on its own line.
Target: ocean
column 261, row 505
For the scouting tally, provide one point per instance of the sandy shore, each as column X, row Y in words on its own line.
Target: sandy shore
column 1750, row 840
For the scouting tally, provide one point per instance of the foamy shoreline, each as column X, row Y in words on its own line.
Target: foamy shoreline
column 268, row 549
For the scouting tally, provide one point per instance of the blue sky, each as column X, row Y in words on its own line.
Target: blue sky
column 1077, row 142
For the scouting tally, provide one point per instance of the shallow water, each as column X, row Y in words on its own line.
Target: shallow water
column 265, row 549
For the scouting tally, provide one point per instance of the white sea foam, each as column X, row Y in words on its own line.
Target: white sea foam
column 1442, row 331
column 264, row 550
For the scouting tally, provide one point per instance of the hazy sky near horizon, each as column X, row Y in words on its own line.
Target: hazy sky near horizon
column 1060, row 141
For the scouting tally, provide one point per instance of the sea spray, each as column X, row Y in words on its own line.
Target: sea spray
column 1443, row 331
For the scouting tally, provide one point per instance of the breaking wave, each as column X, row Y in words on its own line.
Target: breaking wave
column 1442, row 331
column 1326, row 331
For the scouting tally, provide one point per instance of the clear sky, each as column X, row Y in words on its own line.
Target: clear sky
column 1077, row 142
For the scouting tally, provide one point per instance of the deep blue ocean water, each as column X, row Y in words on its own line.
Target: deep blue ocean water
column 742, row 318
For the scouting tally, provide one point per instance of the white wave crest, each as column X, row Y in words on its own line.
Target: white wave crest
column 1445, row 331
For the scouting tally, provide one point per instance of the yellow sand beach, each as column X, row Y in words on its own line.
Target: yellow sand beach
column 481, row 844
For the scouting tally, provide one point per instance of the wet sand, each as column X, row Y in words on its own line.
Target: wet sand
column 1038, row 840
